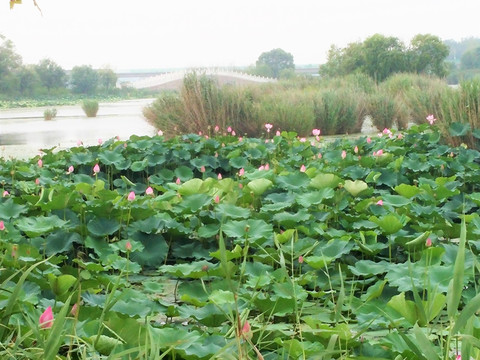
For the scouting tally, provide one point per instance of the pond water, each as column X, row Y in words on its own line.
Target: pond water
column 23, row 131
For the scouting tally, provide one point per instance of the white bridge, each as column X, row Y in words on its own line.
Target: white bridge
column 174, row 80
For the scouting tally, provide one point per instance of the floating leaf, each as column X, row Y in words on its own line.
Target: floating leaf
column 355, row 187
column 259, row 186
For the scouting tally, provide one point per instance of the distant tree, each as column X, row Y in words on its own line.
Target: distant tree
column 380, row 56
column 276, row 60
column 427, row 55
column 83, row 79
column 107, row 79
column 51, row 74
column 470, row 59
column 27, row 80
column 10, row 61
column 343, row 61
column 383, row 56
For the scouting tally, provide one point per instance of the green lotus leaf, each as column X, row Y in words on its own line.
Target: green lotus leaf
column 325, row 181
column 390, row 223
column 11, row 210
column 293, row 181
column 259, row 186
column 459, row 129
column 395, row 200
column 190, row 187
column 183, row 173
column 318, row 262
column 238, row 162
column 233, row 211
column 155, row 249
column 408, row 191
column 251, row 229
column 109, row 157
column 308, row 199
column 61, row 284
column 103, row 227
column 40, row 225
column 355, row 187
column 208, row 231
column 138, row 166
column 404, row 307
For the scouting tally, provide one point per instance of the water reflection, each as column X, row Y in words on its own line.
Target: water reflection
column 27, row 126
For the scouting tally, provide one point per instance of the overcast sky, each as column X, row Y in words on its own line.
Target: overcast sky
column 133, row 34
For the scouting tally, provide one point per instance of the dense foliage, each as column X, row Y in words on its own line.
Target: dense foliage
column 221, row 247
column 380, row 56
column 337, row 106
column 48, row 78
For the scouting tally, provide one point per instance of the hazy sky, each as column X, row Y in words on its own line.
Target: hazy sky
column 127, row 34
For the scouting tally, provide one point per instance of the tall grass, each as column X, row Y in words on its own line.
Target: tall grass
column 336, row 106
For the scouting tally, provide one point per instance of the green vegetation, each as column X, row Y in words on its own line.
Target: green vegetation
column 50, row 114
column 90, row 107
column 336, row 106
column 380, row 57
column 228, row 248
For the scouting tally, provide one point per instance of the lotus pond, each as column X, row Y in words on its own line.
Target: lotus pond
column 231, row 248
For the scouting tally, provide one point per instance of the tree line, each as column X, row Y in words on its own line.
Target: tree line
column 48, row 78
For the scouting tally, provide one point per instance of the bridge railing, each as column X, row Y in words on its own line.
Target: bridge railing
column 179, row 75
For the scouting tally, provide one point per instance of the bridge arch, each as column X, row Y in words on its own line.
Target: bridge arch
column 174, row 80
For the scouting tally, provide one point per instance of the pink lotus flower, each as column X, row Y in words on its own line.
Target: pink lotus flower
column 380, row 202
column 216, row 128
column 5, row 193
column 400, row 136
column 431, row 119
column 37, row 181
column 240, row 138
column 219, row 176
column 131, row 196
column 386, row 131
column 344, row 154
column 200, row 133
column 267, row 167
column 303, row 139
column 268, row 127
column 128, row 246
column 319, row 155
column 96, row 169
column 202, row 169
column 303, row 168
column 160, row 133
column 355, row 149
column 300, row 259
column 46, row 319
column 261, row 168
column 246, row 330
column 234, row 133
column 149, row 191
column 217, row 199
column 428, row 243
column 458, row 357
column 40, row 163
column 2, row 225
column 100, row 141
column 369, row 140
column 70, row 169
column 229, row 129
column 278, row 133
column 79, row 142
column 241, row 172
column 380, row 152
column 74, row 311
column 178, row 181
column 316, row 132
